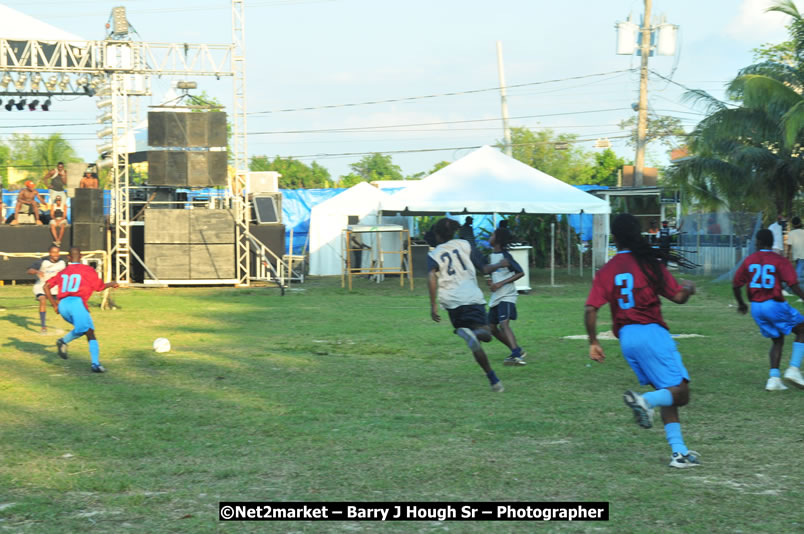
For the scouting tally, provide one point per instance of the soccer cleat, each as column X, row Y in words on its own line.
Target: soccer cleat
column 497, row 387
column 43, row 330
column 513, row 360
column 61, row 346
column 643, row 415
column 470, row 338
column 98, row 368
column 684, row 461
column 775, row 384
column 793, row 376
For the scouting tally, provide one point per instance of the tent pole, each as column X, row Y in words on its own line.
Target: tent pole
column 580, row 247
column 569, row 247
column 553, row 254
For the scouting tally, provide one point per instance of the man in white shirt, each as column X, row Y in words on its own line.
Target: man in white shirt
column 795, row 240
column 45, row 269
column 777, row 229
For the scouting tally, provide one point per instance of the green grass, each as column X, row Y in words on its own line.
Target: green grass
column 327, row 395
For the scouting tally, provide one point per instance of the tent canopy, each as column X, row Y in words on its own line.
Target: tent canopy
column 17, row 26
column 488, row 181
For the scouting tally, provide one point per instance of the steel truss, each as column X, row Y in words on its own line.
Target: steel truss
column 116, row 72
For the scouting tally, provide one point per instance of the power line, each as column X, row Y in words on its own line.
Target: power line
column 436, row 95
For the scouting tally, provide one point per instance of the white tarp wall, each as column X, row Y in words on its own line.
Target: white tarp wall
column 329, row 219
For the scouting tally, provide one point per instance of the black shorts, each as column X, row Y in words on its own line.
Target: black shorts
column 502, row 312
column 469, row 316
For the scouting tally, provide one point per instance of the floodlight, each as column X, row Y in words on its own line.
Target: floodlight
column 106, row 117
column 64, row 82
column 46, row 105
column 119, row 21
column 9, row 105
column 20, row 104
column 186, row 85
column 33, row 104
column 106, row 132
column 7, row 79
column 20, row 83
column 104, row 148
column 104, row 103
column 82, row 81
column 36, row 79
column 51, row 83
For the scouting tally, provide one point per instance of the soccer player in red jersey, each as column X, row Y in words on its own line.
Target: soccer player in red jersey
column 763, row 272
column 76, row 284
column 631, row 284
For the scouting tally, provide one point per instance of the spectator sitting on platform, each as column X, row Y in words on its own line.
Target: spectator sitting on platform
column 654, row 228
column 57, row 181
column 58, row 221
column 89, row 181
column 27, row 203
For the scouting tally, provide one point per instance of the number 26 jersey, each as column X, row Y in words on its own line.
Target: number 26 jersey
column 763, row 271
column 622, row 284
column 457, row 280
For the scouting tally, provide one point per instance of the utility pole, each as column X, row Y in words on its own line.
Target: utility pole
column 504, row 101
column 642, row 119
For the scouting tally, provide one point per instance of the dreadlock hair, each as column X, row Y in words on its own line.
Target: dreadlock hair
column 626, row 230
column 503, row 236
column 445, row 229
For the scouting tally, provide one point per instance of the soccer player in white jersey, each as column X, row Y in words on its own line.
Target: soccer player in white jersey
column 45, row 269
column 452, row 277
column 502, row 303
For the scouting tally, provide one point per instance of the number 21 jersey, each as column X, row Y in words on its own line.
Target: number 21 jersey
column 622, row 284
column 457, row 281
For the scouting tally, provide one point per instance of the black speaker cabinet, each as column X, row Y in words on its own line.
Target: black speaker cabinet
column 89, row 235
column 266, row 208
column 187, row 168
column 87, row 206
column 270, row 235
column 187, row 130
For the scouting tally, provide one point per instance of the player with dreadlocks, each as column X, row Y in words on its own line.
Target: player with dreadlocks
column 631, row 284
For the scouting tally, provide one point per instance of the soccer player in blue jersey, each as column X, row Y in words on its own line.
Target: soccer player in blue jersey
column 453, row 279
column 502, row 303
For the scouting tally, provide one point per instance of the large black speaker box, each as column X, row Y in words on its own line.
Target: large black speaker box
column 89, row 235
column 270, row 235
column 187, row 169
column 87, row 206
column 187, row 130
column 25, row 238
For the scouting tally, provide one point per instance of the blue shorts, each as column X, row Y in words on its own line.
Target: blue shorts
column 502, row 312
column 774, row 318
column 75, row 313
column 469, row 316
column 652, row 354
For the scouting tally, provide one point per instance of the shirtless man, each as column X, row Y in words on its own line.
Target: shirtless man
column 27, row 203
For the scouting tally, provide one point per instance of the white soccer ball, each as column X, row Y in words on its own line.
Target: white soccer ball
column 162, row 345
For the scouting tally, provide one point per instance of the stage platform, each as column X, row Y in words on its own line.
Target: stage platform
column 25, row 239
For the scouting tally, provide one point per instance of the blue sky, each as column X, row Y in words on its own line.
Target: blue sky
column 313, row 53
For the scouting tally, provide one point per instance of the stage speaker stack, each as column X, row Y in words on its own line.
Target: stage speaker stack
column 188, row 149
column 266, row 208
column 197, row 244
column 88, row 220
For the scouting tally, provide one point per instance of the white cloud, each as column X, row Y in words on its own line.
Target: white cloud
column 752, row 23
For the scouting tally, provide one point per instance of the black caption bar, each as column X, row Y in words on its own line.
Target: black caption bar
column 413, row 511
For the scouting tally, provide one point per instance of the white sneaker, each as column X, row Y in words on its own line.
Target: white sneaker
column 793, row 376
column 775, row 384
column 786, row 293
column 643, row 415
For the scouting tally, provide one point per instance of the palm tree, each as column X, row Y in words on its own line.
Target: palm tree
column 750, row 157
column 51, row 150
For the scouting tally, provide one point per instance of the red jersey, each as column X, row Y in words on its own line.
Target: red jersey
column 77, row 280
column 622, row 284
column 764, row 271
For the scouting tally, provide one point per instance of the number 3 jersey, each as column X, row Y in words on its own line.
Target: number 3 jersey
column 622, row 284
column 457, row 281
column 77, row 280
column 763, row 271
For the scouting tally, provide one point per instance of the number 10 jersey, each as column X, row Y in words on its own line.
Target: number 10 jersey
column 622, row 284
column 457, row 279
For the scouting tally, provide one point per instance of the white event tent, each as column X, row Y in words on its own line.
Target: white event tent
column 331, row 217
column 488, row 181
column 17, row 26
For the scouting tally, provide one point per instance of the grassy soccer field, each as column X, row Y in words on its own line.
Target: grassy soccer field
column 326, row 395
